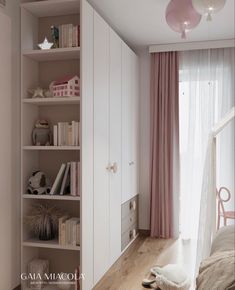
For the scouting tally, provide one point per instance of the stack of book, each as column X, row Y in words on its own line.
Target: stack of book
column 66, row 35
column 69, row 231
column 66, row 134
column 67, row 180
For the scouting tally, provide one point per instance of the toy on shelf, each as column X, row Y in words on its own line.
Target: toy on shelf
column 45, row 44
column 42, row 135
column 39, row 184
column 68, row 86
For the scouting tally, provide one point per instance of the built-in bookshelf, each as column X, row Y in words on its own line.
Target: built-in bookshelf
column 40, row 68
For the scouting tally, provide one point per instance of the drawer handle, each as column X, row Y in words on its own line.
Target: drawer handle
column 133, row 205
column 132, row 234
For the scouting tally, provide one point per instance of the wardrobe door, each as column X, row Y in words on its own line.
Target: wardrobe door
column 134, row 125
column 126, row 123
column 115, row 145
column 101, row 147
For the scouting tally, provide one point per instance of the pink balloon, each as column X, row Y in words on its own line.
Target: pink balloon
column 181, row 16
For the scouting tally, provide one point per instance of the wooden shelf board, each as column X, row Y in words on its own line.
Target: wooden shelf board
column 53, row 148
column 48, row 244
column 53, row 54
column 52, row 101
column 52, row 7
column 52, row 197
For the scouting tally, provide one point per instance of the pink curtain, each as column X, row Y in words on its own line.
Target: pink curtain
column 164, row 145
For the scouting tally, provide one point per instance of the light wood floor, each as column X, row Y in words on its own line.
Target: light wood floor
column 127, row 273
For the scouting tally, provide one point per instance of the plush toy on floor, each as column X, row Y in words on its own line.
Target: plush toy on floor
column 38, row 184
column 170, row 277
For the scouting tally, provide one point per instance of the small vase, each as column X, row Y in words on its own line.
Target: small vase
column 46, row 231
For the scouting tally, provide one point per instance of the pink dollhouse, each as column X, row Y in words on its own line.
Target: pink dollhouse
column 68, row 86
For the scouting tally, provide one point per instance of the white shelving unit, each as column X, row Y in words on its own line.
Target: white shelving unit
column 39, row 68
column 52, row 197
column 53, row 101
column 54, row 244
column 52, row 55
column 54, row 148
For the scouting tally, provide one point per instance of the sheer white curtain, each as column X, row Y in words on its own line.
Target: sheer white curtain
column 206, row 94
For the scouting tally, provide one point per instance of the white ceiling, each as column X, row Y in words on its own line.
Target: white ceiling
column 142, row 22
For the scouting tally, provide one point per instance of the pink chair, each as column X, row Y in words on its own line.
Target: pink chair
column 221, row 211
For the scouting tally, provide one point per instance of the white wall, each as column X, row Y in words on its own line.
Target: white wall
column 10, row 154
column 144, row 210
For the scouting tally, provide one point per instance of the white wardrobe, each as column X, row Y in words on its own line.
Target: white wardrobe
column 109, row 75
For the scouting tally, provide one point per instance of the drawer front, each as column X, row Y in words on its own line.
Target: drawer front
column 129, row 235
column 129, row 207
column 129, row 220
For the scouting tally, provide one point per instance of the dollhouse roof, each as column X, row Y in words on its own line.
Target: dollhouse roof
column 65, row 80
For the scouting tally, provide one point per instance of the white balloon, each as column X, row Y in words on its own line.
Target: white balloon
column 208, row 7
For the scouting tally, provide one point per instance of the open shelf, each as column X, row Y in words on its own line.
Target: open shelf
column 52, row 197
column 67, row 53
column 52, row 7
column 54, row 244
column 52, row 101
column 53, row 148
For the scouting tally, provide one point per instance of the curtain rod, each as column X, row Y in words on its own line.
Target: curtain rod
column 192, row 45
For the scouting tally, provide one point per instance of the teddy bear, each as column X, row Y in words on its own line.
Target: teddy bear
column 38, row 184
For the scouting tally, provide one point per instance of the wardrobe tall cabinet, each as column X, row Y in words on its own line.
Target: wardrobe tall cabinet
column 108, row 112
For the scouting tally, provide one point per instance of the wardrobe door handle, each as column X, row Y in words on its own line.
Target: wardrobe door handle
column 114, row 167
column 108, row 167
column 131, row 163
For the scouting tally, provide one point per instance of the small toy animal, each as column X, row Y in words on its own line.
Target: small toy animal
column 39, row 184
column 41, row 135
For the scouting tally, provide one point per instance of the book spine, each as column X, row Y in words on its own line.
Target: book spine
column 60, row 36
column 63, row 234
column 70, row 35
column 78, row 234
column 76, row 133
column 73, row 133
column 78, row 179
column 59, row 134
column 67, row 233
column 66, row 130
column 73, row 234
column 55, row 135
column 78, row 30
column 74, row 36
column 73, row 178
column 70, row 141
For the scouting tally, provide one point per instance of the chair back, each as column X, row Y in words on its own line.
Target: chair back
column 222, row 200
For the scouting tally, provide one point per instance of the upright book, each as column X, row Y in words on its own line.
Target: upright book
column 58, row 181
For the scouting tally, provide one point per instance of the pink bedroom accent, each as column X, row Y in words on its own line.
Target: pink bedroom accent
column 182, row 17
column 164, row 126
column 221, row 210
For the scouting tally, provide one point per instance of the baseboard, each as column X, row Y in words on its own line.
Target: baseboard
column 145, row 233
column 17, row 288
